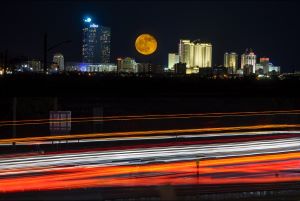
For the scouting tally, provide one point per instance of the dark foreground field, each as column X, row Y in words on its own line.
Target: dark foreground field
column 117, row 86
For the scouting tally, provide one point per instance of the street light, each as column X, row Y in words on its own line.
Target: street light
column 46, row 49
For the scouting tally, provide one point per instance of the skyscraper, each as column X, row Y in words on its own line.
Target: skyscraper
column 195, row 54
column 90, row 48
column 248, row 59
column 173, row 59
column 184, row 51
column 104, row 44
column 95, row 43
column 231, row 60
column 202, row 56
column 58, row 58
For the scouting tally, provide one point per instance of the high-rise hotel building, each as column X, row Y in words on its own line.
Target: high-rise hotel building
column 248, row 59
column 173, row 59
column 95, row 43
column 195, row 54
column 202, row 55
column 231, row 61
column 104, row 44
column 185, row 52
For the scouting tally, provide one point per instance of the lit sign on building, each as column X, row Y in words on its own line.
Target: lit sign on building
column 93, row 26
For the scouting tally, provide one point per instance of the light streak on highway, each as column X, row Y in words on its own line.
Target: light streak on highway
column 263, row 153
column 270, row 168
column 154, row 154
column 172, row 132
column 148, row 117
column 146, row 134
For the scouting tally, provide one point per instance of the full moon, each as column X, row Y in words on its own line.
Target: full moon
column 146, row 44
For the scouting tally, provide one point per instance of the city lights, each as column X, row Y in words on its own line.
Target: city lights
column 193, row 57
column 149, row 100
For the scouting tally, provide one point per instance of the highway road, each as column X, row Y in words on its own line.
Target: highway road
column 155, row 154
column 261, row 154
column 252, row 161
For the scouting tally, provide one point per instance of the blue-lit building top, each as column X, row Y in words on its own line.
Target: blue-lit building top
column 96, row 43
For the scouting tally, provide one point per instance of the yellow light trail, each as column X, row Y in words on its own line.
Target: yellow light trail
column 147, row 133
column 147, row 117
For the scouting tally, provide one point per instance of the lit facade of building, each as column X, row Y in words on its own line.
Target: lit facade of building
column 95, row 43
column 264, row 61
column 185, row 51
column 195, row 54
column 259, row 69
column 202, row 57
column 90, row 47
column 231, row 61
column 35, row 65
column 91, row 67
column 104, row 44
column 143, row 68
column 267, row 67
column 127, row 65
column 173, row 59
column 29, row 66
column 249, row 59
column 192, row 70
column 58, row 58
column 273, row 69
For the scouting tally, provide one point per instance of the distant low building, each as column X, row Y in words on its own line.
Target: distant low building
column 29, row 66
column 127, row 65
column 264, row 62
column 58, row 58
column 205, row 72
column 219, row 71
column 156, row 69
column 148, row 68
column 259, row 69
column 267, row 67
column 240, row 72
column 248, row 69
column 192, row 70
column 90, row 67
column 143, row 68
column 180, row 68
column 54, row 68
column 273, row 69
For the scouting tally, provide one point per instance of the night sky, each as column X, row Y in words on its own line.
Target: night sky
column 270, row 28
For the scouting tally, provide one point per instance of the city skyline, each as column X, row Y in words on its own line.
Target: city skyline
column 280, row 47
